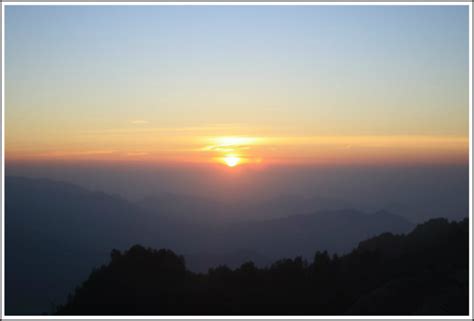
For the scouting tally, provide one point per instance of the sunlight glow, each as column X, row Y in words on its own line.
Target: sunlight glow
column 231, row 160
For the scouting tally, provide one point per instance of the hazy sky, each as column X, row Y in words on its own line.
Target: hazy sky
column 285, row 84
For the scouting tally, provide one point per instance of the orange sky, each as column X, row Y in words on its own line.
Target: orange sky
column 155, row 146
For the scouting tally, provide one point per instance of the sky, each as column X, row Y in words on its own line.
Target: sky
column 237, row 85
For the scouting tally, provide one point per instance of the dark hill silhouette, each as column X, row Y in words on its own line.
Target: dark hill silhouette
column 422, row 273
column 55, row 232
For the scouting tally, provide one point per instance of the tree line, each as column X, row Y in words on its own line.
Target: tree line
column 424, row 272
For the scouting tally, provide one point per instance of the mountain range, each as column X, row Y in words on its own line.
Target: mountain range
column 56, row 232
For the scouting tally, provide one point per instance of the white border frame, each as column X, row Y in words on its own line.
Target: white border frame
column 237, row 3
column 46, row 3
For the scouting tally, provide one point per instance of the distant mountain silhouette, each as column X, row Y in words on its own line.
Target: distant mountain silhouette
column 422, row 273
column 70, row 213
column 285, row 205
column 336, row 231
column 55, row 232
column 187, row 207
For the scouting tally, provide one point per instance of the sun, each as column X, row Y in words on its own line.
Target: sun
column 231, row 160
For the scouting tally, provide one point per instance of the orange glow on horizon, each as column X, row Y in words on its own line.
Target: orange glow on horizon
column 234, row 151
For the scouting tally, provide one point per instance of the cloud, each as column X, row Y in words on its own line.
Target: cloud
column 137, row 154
column 139, row 122
column 74, row 153
column 226, row 148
